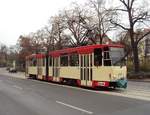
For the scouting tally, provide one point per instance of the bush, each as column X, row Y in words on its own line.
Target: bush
column 130, row 65
column 144, row 65
column 144, row 69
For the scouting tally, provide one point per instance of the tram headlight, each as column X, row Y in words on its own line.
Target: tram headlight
column 120, row 75
column 114, row 78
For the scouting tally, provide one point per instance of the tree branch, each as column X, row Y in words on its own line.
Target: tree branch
column 140, row 17
column 143, row 37
column 132, row 3
column 119, row 25
column 124, row 3
column 121, row 10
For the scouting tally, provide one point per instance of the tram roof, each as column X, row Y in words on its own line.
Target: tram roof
column 82, row 49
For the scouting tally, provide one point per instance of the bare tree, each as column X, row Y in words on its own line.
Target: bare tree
column 135, row 16
column 76, row 20
column 3, row 54
column 36, row 40
column 57, row 30
column 49, row 39
column 102, row 15
column 19, row 52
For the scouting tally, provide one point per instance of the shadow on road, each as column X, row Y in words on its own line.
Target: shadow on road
column 116, row 90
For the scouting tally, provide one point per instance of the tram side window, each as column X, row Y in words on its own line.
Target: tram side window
column 74, row 60
column 107, row 60
column 64, row 60
column 40, row 62
column 98, row 57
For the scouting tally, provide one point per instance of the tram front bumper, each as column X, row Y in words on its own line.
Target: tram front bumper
column 121, row 83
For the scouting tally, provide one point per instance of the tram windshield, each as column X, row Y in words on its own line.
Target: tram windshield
column 117, row 56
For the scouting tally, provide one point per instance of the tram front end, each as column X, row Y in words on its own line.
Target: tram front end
column 118, row 77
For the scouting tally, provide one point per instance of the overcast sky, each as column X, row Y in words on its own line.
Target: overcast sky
column 19, row 17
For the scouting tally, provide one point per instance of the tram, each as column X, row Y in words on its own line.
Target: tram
column 89, row 66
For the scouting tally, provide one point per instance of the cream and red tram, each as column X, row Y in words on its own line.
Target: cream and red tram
column 90, row 66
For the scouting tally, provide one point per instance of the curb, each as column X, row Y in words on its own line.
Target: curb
column 147, row 81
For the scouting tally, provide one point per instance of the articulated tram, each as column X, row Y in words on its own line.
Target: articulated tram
column 90, row 66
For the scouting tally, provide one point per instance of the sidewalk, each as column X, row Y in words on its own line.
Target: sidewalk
column 3, row 71
column 140, row 80
column 21, row 75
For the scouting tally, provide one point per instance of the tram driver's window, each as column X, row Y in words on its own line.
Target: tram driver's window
column 64, row 60
column 107, row 60
column 98, row 57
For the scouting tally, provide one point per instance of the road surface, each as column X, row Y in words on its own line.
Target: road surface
column 30, row 97
column 136, row 89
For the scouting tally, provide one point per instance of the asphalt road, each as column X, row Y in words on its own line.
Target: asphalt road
column 30, row 97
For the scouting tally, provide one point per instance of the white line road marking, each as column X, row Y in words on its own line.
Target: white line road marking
column 18, row 87
column 74, row 107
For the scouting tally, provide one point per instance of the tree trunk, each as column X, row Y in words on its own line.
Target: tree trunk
column 101, row 40
column 135, row 52
column 135, row 58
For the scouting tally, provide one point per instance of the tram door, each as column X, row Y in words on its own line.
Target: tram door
column 39, row 68
column 86, row 69
column 56, row 68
